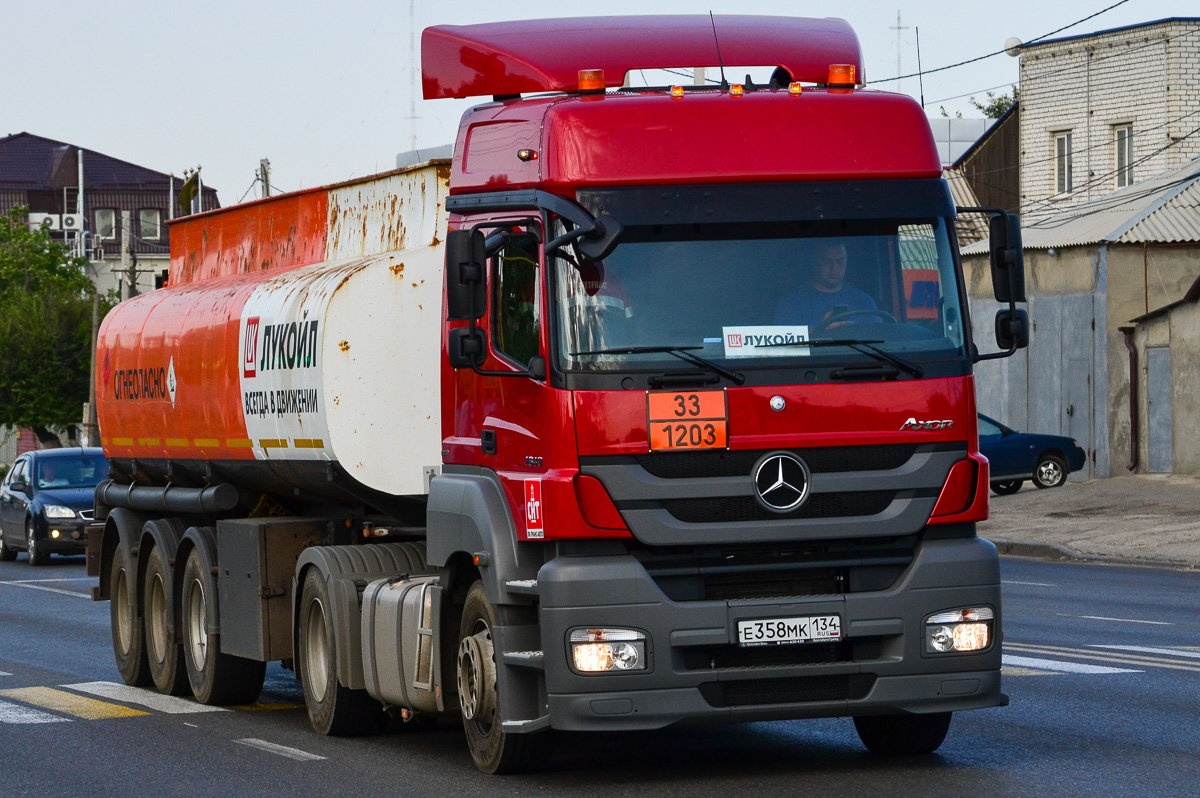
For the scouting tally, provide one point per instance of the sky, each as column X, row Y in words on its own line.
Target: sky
column 325, row 90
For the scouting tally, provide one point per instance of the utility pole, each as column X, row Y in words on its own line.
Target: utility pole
column 264, row 174
column 412, row 60
column 91, row 431
column 128, row 262
column 898, row 28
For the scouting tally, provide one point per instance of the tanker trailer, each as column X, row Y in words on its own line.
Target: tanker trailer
column 281, row 393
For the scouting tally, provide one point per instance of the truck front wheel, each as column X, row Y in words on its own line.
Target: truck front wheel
column 903, row 734
column 494, row 750
column 216, row 678
column 129, row 645
column 333, row 709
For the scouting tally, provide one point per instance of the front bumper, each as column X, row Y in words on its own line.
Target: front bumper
column 880, row 667
column 71, row 538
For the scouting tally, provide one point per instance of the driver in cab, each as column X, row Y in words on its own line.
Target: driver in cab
column 825, row 297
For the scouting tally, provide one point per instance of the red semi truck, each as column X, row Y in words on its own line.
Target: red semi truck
column 652, row 406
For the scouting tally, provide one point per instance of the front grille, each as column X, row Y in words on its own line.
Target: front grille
column 820, row 459
column 745, row 508
column 755, row 692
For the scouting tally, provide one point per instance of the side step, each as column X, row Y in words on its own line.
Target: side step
column 525, row 659
column 524, row 587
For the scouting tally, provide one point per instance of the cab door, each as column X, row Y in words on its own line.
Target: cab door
column 505, row 420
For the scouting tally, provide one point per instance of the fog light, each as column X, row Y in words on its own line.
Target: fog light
column 606, row 650
column 54, row 533
column 959, row 631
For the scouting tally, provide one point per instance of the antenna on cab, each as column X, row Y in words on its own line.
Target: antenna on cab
column 720, row 63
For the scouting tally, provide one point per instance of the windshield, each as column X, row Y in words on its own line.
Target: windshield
column 72, row 472
column 746, row 294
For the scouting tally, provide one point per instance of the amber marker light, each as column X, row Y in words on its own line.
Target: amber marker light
column 591, row 80
column 527, row 155
column 841, row 75
column 677, row 91
column 737, row 90
column 795, row 89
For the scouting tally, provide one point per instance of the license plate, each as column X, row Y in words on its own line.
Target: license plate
column 783, row 631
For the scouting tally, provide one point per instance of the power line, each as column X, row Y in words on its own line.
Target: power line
column 998, row 52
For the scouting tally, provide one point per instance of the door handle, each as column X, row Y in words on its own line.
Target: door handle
column 487, row 441
column 1070, row 410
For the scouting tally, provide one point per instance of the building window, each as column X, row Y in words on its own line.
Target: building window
column 149, row 222
column 1063, row 179
column 106, row 223
column 1123, row 138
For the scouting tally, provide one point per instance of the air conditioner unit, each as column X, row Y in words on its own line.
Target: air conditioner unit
column 72, row 221
column 50, row 221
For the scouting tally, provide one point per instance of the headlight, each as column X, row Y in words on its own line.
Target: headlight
column 607, row 650
column 58, row 511
column 959, row 631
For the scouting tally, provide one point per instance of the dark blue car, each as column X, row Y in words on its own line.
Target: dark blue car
column 46, row 502
column 1017, row 456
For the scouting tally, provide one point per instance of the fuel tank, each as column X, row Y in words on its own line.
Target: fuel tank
column 296, row 348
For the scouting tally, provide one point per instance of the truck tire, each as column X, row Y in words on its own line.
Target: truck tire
column 494, row 750
column 126, row 622
column 163, row 653
column 215, row 678
column 333, row 709
column 903, row 734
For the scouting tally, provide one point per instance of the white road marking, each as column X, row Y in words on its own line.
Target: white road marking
column 1116, row 657
column 49, row 589
column 5, row 673
column 193, row 725
column 1062, row 667
column 1169, row 652
column 281, row 750
column 16, row 713
column 64, row 579
column 1038, row 584
column 147, row 698
column 1119, row 620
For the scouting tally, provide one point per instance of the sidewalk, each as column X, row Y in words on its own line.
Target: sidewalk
column 1145, row 520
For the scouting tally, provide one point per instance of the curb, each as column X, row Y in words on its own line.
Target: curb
column 1059, row 553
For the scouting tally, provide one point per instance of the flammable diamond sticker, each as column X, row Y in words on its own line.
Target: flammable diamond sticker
column 171, row 384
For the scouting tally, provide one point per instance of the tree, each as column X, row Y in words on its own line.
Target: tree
column 45, row 329
column 996, row 107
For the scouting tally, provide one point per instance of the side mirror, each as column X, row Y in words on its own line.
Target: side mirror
column 1012, row 329
column 467, row 347
column 1008, row 260
column 20, row 487
column 537, row 368
column 608, row 230
column 466, row 275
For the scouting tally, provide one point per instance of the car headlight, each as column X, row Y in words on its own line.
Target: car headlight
column 608, row 650
column 959, row 631
column 58, row 511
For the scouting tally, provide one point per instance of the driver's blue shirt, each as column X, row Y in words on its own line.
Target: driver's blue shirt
column 806, row 305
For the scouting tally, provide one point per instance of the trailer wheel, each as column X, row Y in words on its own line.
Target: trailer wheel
column 126, row 622
column 334, row 710
column 162, row 652
column 903, row 734
column 494, row 750
column 215, row 678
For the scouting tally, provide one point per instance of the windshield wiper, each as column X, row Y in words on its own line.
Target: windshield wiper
column 866, row 347
column 681, row 352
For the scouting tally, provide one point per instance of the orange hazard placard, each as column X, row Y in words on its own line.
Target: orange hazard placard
column 687, row 420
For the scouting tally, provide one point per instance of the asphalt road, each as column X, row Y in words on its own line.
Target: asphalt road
column 1102, row 664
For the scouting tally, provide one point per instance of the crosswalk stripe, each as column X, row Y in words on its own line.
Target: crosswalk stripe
column 16, row 713
column 146, row 698
column 1063, row 667
column 1168, row 652
column 70, row 704
column 281, row 750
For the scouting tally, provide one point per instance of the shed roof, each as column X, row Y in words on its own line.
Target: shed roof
column 1164, row 209
column 32, row 163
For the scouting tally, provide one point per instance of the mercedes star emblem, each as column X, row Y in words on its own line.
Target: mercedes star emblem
column 781, row 482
